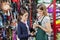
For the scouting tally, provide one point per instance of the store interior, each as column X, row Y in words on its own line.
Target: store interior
column 12, row 9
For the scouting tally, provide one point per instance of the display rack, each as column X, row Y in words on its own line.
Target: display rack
column 55, row 27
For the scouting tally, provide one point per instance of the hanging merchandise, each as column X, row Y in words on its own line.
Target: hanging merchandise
column 58, row 16
column 15, row 14
column 10, row 32
column 13, row 35
column 34, row 11
column 1, row 23
column 18, row 6
column 57, row 10
column 5, row 6
column 1, row 34
column 58, row 1
column 47, row 1
column 14, row 25
column 8, row 15
column 4, row 19
column 16, row 3
column 14, row 6
column 39, row 1
column 4, row 34
column 50, row 10
column 15, row 0
column 58, row 36
column 57, row 21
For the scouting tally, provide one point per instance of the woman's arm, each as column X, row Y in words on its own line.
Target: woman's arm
column 47, row 28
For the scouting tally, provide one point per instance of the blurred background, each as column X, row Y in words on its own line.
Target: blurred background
column 9, row 11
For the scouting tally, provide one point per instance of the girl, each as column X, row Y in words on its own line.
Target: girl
column 23, row 27
column 43, row 23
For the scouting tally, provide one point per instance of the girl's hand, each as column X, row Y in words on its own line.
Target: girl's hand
column 32, row 34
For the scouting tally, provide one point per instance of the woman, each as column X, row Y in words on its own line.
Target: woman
column 23, row 27
column 43, row 23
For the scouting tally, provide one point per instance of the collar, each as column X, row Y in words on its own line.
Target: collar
column 39, row 19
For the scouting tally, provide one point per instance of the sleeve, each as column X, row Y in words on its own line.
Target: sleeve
column 19, row 32
column 46, row 19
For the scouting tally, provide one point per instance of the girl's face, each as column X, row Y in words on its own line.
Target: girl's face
column 40, row 12
column 25, row 17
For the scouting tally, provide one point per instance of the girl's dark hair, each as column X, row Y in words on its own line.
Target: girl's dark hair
column 22, row 12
